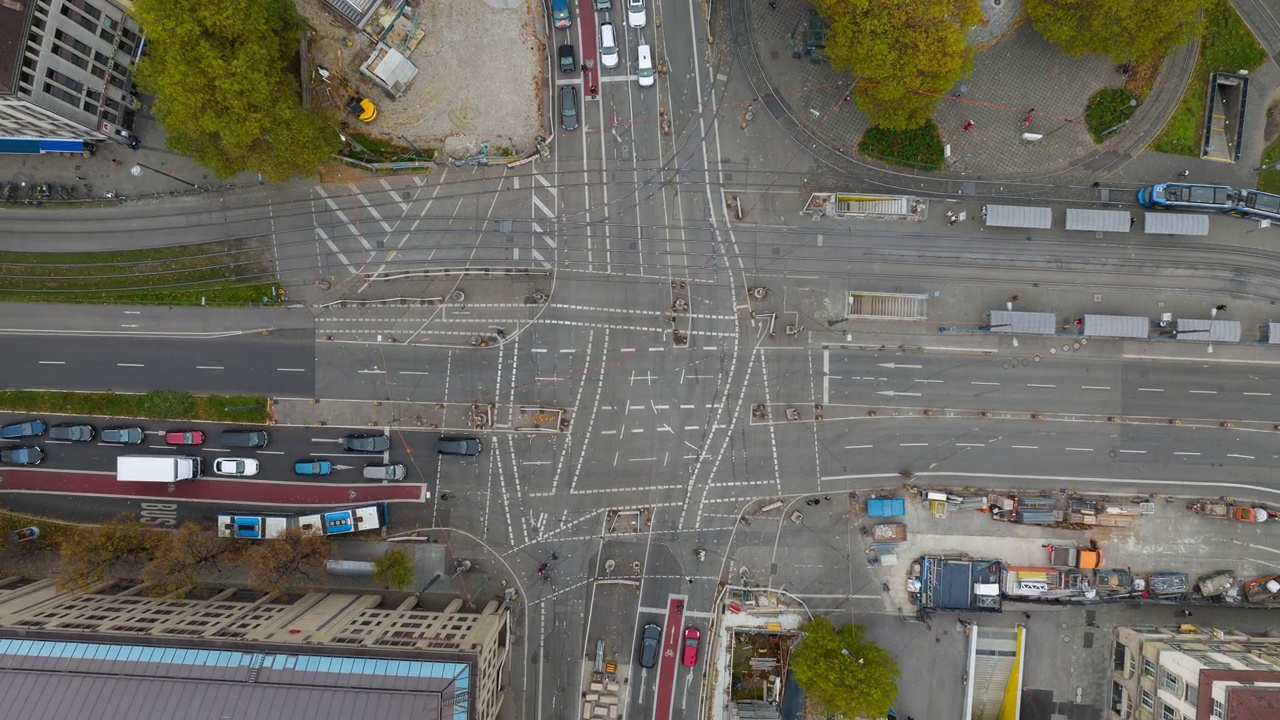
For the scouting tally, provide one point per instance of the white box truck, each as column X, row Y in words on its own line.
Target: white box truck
column 158, row 468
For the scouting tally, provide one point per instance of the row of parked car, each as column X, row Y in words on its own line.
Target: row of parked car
column 562, row 17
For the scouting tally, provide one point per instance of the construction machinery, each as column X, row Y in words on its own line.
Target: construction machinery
column 356, row 104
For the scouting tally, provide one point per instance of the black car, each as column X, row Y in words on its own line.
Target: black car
column 458, row 446
column 72, row 432
column 568, row 63
column 650, row 639
column 21, row 455
column 569, row 107
column 366, row 443
column 244, row 438
column 121, row 435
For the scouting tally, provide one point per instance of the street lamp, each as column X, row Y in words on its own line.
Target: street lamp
column 845, row 652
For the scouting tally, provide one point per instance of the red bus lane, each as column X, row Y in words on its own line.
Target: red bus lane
column 669, row 659
column 587, row 30
column 233, row 491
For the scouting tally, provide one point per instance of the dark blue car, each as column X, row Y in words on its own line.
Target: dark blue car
column 24, row 429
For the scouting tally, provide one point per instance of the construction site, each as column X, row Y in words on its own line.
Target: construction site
column 409, row 75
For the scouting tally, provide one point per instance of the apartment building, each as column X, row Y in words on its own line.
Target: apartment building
column 1193, row 673
column 66, row 74
column 113, row 652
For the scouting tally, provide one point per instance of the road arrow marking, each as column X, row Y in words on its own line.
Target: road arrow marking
column 893, row 366
column 892, row 393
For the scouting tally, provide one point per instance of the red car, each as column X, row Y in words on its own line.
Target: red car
column 184, row 437
column 689, row 656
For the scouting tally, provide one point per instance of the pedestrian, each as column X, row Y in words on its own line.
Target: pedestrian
column 1026, row 121
column 1221, row 308
column 1185, row 613
column 953, row 220
column 967, row 126
column 1015, row 298
column 1026, row 615
column 1091, row 624
column 1132, row 220
column 846, row 97
column 81, row 177
column 115, row 162
column 1184, row 173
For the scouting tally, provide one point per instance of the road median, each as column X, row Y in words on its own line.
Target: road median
column 158, row 405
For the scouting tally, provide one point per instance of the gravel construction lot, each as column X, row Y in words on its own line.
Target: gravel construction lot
column 480, row 73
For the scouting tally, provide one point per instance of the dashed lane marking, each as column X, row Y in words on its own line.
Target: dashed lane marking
column 1135, row 452
column 1025, row 447
column 1242, row 457
column 1187, row 453
column 976, row 382
column 1035, row 385
column 1258, row 394
column 1080, row 449
column 1203, row 392
column 1094, row 387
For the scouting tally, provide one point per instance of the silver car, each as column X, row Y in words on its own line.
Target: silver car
column 384, row 473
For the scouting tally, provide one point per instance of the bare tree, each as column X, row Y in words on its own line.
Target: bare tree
column 188, row 558
column 294, row 561
column 95, row 554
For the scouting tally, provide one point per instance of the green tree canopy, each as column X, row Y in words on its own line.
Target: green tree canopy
column 107, row 552
column 219, row 73
column 905, row 53
column 394, row 568
column 844, row 672
column 1131, row 30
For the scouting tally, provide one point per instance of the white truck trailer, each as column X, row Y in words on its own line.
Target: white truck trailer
column 158, row 468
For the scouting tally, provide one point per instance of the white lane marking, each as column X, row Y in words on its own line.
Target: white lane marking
column 538, row 350
column 568, row 350
column 1094, row 387
column 1259, row 394
column 210, row 367
column 1040, row 386
column 129, row 326
column 913, row 444
column 1135, row 452
column 52, row 362
column 1242, row 457
column 959, row 444
column 1186, row 453
column 130, row 365
column 976, row 382
column 929, row 381
column 132, row 312
column 290, row 370
column 1025, row 447
column 1081, row 449
column 1203, row 392
column 857, row 447
column 372, row 372
column 414, row 372
column 1150, row 389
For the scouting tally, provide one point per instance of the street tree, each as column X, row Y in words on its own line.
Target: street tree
column 394, row 568
column 906, row 54
column 188, row 558
column 844, row 672
column 103, row 553
column 223, row 90
column 294, row 561
column 1137, row 30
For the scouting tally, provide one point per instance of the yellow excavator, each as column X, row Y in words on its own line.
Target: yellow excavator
column 357, row 104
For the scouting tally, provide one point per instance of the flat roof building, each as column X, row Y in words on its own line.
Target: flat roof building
column 115, row 653
column 66, row 74
column 1193, row 673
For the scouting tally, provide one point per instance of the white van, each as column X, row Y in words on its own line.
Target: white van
column 608, row 45
column 644, row 66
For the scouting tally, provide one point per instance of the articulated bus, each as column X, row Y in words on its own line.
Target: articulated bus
column 337, row 522
column 1206, row 198
column 1258, row 204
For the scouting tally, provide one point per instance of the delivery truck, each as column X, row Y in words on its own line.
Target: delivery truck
column 158, row 468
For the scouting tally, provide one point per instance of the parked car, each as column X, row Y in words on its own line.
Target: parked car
column 650, row 640
column 366, row 443
column 568, row 61
column 24, row 429
column 312, row 466
column 458, row 446
column 71, row 432
column 244, row 438
column 608, row 45
column 635, row 13
column 569, row 107
column 560, row 13
column 184, row 437
column 21, row 455
column 689, row 655
column 121, row 435
column 644, row 66
column 239, row 467
column 383, row 473
column 604, row 5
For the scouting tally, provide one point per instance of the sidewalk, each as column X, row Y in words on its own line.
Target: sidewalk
column 151, row 170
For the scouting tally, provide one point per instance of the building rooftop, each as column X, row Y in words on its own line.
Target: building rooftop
column 46, row 679
column 13, row 41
